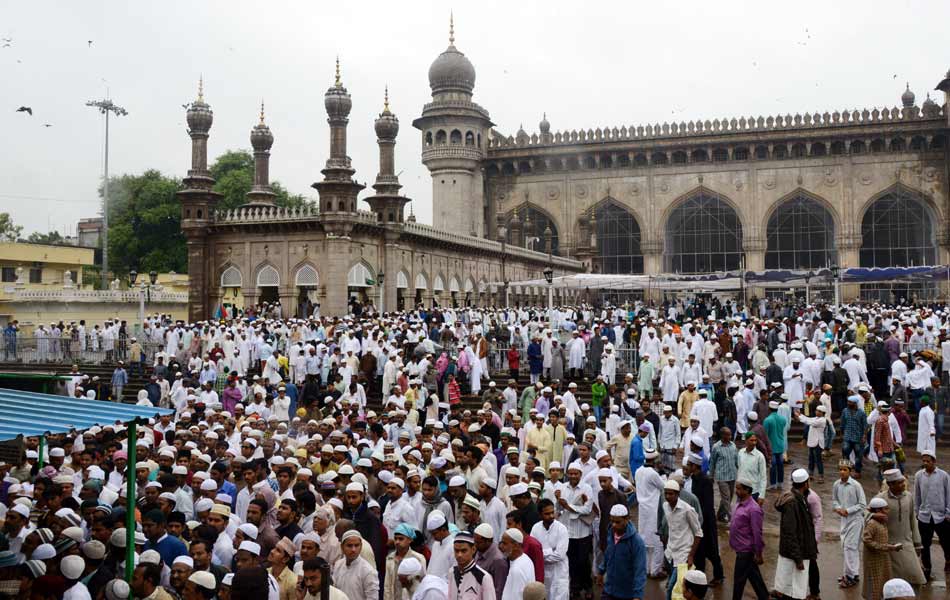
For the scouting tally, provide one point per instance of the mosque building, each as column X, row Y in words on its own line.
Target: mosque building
column 853, row 188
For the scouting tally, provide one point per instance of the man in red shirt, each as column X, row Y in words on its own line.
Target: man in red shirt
column 531, row 546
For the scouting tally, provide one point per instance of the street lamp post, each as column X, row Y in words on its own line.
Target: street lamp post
column 380, row 279
column 835, row 274
column 807, row 290
column 503, row 236
column 106, row 107
column 549, row 277
column 145, row 292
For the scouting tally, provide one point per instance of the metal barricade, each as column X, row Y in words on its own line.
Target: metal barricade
column 69, row 350
column 628, row 359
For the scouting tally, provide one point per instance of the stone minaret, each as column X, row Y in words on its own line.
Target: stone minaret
column 261, row 140
column 198, row 201
column 338, row 191
column 387, row 203
column 454, row 137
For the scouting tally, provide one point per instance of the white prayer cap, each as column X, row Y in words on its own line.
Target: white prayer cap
column 252, row 547
column 485, row 530
column 671, row 485
column 184, row 559
column 409, row 566
column 898, row 588
column 619, row 510
column 515, row 535
column 877, row 502
column 697, row 577
column 799, row 476
column 435, row 520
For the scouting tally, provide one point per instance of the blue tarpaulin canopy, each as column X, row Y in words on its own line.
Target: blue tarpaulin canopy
column 29, row 413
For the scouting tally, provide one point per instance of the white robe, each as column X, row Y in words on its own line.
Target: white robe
column 649, row 492
column 520, row 574
column 576, row 351
column 926, row 431
column 670, row 383
column 554, row 543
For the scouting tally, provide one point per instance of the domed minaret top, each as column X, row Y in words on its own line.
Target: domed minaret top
column 907, row 98
column 199, row 118
column 387, row 125
column 337, row 190
column 337, row 100
column 261, row 137
column 387, row 203
column 545, row 127
column 261, row 140
column 451, row 71
column 199, row 115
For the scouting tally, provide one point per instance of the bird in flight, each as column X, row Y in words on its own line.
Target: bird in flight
column 47, row 124
column 89, row 42
column 25, row 109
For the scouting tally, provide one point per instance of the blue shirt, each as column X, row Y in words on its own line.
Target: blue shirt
column 168, row 547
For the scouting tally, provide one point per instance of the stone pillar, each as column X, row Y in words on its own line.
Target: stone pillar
column 198, row 278
column 250, row 296
column 849, row 256
column 288, row 300
column 754, row 249
column 337, row 269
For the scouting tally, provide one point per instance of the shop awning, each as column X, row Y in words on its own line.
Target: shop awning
column 29, row 413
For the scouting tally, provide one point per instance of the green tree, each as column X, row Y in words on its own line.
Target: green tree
column 145, row 224
column 233, row 172
column 51, row 237
column 8, row 230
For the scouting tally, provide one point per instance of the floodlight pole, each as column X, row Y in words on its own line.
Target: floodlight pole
column 130, row 501
column 106, row 107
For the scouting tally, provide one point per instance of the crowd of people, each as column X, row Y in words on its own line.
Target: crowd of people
column 373, row 456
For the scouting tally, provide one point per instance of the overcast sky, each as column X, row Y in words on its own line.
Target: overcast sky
column 586, row 64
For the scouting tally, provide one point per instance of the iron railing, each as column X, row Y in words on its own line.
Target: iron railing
column 67, row 350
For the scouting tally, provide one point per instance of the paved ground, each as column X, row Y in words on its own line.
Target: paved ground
column 829, row 549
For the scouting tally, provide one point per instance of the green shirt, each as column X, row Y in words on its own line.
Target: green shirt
column 774, row 425
column 598, row 393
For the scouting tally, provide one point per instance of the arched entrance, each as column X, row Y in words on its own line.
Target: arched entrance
column 530, row 231
column 307, row 280
column 800, row 235
column 360, row 282
column 618, row 240
column 231, row 283
column 402, row 289
column 454, row 291
column 422, row 284
column 703, row 235
column 268, row 282
column 898, row 230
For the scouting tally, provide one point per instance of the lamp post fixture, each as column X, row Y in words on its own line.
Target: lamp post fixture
column 808, row 277
column 380, row 280
column 106, row 107
column 836, row 275
column 549, row 277
column 145, row 292
column 503, row 236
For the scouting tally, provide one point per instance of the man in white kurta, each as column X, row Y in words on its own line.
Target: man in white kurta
column 649, row 493
column 520, row 567
column 926, row 430
column 554, row 541
column 576, row 350
column 670, row 382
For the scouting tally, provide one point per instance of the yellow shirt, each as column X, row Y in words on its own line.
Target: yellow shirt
column 286, row 583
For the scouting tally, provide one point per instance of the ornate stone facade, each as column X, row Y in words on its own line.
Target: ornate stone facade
column 854, row 188
column 335, row 252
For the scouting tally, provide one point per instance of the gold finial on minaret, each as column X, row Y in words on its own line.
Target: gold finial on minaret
column 451, row 29
column 386, row 100
column 201, row 88
column 262, row 111
column 338, row 82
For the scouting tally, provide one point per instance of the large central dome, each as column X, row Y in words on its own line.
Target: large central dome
column 452, row 70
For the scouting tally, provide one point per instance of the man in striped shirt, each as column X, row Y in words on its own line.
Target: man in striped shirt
column 723, row 467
